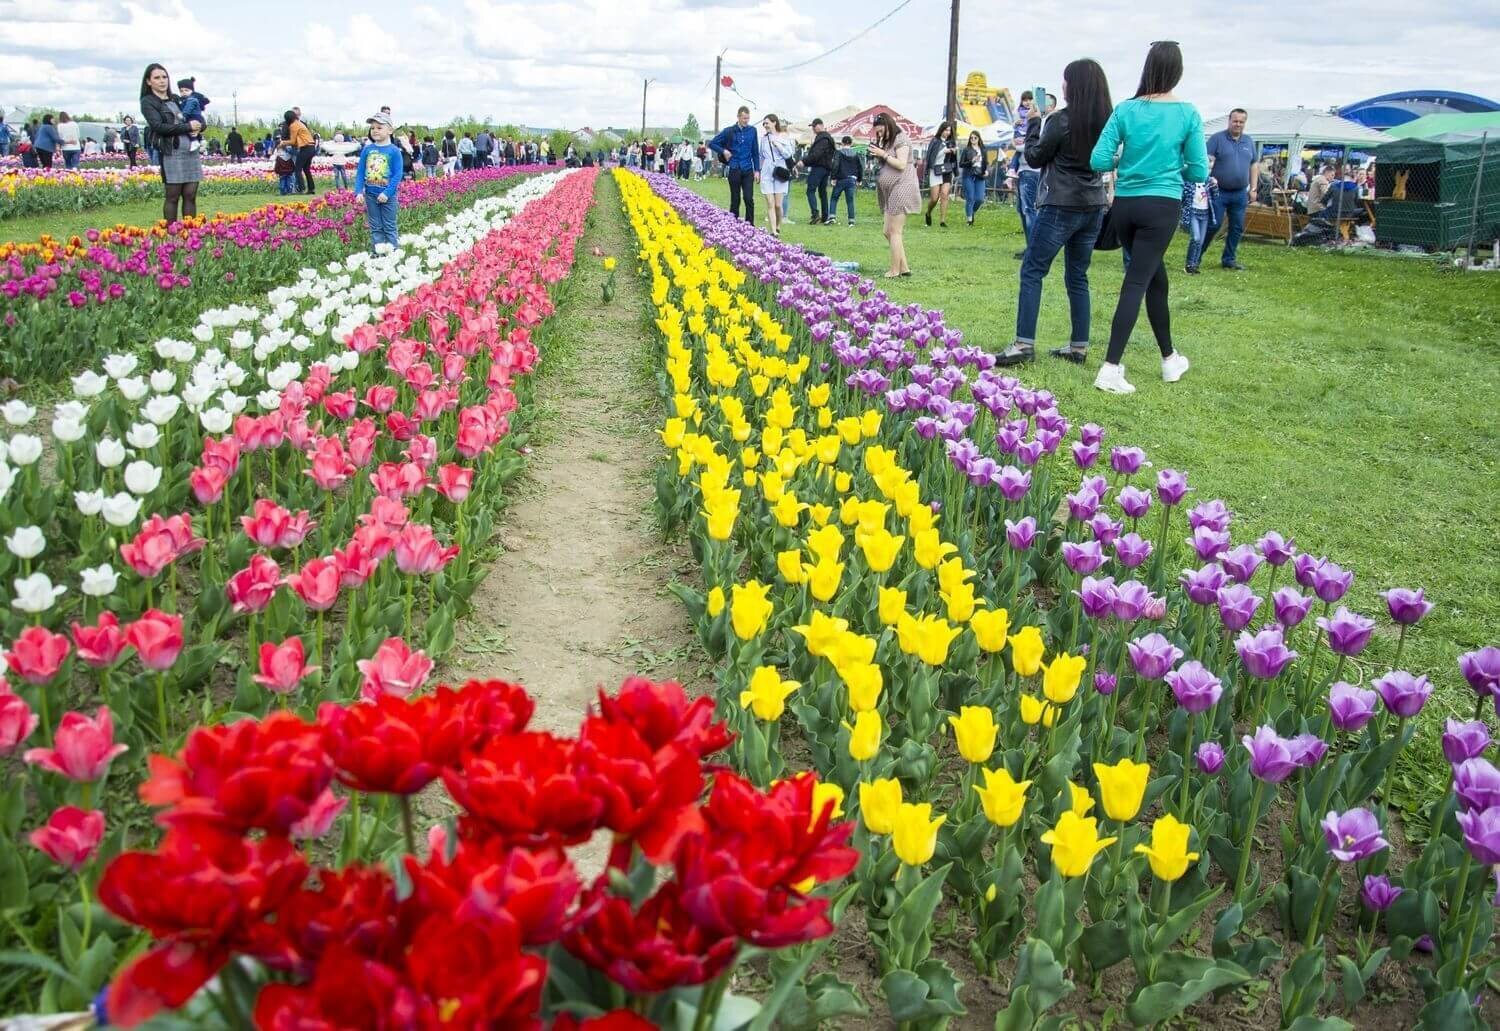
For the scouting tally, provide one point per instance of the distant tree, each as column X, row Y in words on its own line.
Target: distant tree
column 690, row 129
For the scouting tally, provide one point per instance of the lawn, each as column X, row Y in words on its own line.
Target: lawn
column 1348, row 400
column 139, row 213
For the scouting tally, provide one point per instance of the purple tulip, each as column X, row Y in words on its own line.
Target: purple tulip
column 1241, row 563
column 1353, row 836
column 1133, row 601
column 1351, row 707
column 1083, row 558
column 1237, row 605
column 1171, row 487
column 1271, row 759
column 1091, row 434
column 1276, row 549
column 1013, row 483
column 1291, row 606
column 1105, row 683
column 1085, row 455
column 1132, row 550
column 1348, row 632
column 1476, row 782
column 1021, row 535
column 1210, row 757
column 1126, row 461
column 1134, row 502
column 1463, row 741
column 1030, row 452
column 1378, row 892
column 1212, row 514
column 1097, row 596
column 1209, row 543
column 1403, row 694
column 1330, row 582
column 1153, row 655
column 1482, row 670
column 1481, row 829
column 1265, row 655
column 1307, row 750
column 1196, row 689
column 1304, row 566
column 1202, row 585
column 1406, row 606
column 1105, row 530
column 1082, row 505
column 1424, row 944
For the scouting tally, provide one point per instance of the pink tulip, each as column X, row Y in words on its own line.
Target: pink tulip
column 222, row 454
column 316, row 584
column 17, row 721
column 252, row 588
column 397, row 480
column 70, row 837
column 380, row 398
column 100, row 645
column 283, row 666
column 272, row 526
column 319, row 819
column 355, row 563
column 395, row 669
column 156, row 638
column 82, row 749
column 418, row 552
column 208, row 482
column 37, row 654
column 454, row 482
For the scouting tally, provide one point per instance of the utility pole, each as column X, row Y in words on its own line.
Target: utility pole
column 236, row 96
column 718, row 80
column 950, row 104
column 644, row 84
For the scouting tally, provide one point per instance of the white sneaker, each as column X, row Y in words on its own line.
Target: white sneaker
column 1111, row 378
column 1174, row 367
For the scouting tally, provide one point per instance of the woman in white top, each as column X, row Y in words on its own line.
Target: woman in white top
column 776, row 147
column 72, row 141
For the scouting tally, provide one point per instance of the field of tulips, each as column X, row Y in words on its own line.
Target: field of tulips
column 1091, row 739
column 63, row 303
column 41, row 191
column 250, row 531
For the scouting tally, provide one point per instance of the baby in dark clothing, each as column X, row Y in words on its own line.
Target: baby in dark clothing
column 191, row 103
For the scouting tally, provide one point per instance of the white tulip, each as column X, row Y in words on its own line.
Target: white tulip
column 120, row 365
column 162, row 409
column 215, row 420
column 75, row 410
column 35, row 593
column 213, row 358
column 234, row 375
column 141, row 478
column 133, row 388
column 89, row 502
column 120, row 509
column 242, row 339
column 26, row 542
column 203, row 334
column 163, row 380
column 109, row 452
column 99, row 581
column 196, row 395
column 232, row 402
column 166, row 347
column 269, row 400
column 7, row 478
column 17, row 412
column 89, row 384
column 185, row 351
column 143, row 436
column 24, row 449
column 67, row 431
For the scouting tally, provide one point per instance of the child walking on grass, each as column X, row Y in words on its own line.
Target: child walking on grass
column 376, row 178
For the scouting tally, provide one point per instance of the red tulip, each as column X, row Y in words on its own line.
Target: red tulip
column 17, row 721
column 394, row 669
column 390, row 744
column 348, row 990
column 37, row 654
column 454, row 482
column 614, row 1020
column 99, row 645
column 283, row 666
column 652, row 949
column 70, row 837
column 488, row 709
column 528, row 788
column 252, row 588
column 156, row 638
column 82, row 748
column 272, row 526
column 419, row 554
column 316, row 583
column 536, row 887
column 353, row 908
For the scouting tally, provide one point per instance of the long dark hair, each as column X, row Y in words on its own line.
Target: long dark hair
column 1086, row 90
column 287, row 118
column 1162, row 71
column 886, row 129
column 146, row 78
column 943, row 127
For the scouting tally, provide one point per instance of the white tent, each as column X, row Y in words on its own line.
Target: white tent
column 1295, row 128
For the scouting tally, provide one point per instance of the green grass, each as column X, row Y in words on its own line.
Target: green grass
column 138, row 213
column 1348, row 400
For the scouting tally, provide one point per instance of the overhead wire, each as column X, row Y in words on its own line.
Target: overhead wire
column 852, row 39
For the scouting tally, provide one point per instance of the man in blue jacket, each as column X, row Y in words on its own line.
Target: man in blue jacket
column 739, row 146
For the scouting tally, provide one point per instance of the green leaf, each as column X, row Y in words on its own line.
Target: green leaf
column 929, row 991
column 1177, row 924
column 1450, row 1012
column 787, row 983
column 1413, row 914
column 1311, row 1023
column 13, row 881
column 1039, row 983
column 1163, row 1000
column 822, row 999
column 1350, row 982
column 1305, row 972
column 1105, row 944
column 735, row 1011
column 913, row 916
column 46, row 964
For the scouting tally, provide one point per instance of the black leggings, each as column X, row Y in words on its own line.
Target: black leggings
column 304, row 167
column 1146, row 226
column 187, row 193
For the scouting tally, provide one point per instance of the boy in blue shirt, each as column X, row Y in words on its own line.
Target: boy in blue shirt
column 376, row 178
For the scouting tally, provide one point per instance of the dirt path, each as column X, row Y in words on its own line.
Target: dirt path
column 578, row 599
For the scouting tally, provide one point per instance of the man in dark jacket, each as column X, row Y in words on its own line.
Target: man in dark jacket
column 846, row 179
column 738, row 145
column 235, row 144
column 821, row 161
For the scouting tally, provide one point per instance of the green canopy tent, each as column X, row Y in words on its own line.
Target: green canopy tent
column 1440, row 189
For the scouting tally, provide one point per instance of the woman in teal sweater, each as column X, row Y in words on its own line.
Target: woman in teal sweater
column 1153, row 142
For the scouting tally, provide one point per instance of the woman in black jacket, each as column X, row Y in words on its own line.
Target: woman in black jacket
column 975, row 166
column 1071, row 202
column 167, row 129
column 942, row 166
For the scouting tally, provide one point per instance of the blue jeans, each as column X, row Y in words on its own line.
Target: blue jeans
column 287, row 183
column 817, row 194
column 382, row 218
column 1229, row 211
column 1073, row 232
column 71, row 158
column 973, row 194
column 1026, row 186
column 846, row 187
column 1197, row 236
column 340, row 177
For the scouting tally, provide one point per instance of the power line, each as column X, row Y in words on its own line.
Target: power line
column 852, row 39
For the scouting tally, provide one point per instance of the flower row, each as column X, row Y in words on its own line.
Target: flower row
column 40, row 191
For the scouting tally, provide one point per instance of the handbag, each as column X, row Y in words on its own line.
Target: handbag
column 782, row 171
column 1109, row 236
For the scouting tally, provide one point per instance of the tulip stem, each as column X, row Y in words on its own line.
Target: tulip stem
column 406, row 825
column 1463, row 961
column 1317, row 913
column 1463, row 884
column 88, row 912
column 46, row 707
column 161, row 706
column 1256, row 798
column 708, row 1002
column 1187, row 751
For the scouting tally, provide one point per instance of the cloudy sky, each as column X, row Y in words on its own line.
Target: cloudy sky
column 581, row 62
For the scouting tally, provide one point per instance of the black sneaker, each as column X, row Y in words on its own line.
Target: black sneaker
column 1016, row 354
column 928, row 217
column 851, row 221
column 1191, row 270
column 1236, row 267
column 1019, row 255
column 1070, row 354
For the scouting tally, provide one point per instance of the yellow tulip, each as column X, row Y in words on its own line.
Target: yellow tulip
column 1002, row 796
column 1079, row 799
column 1034, row 711
column 825, row 420
column 826, row 543
column 960, row 603
column 952, row 575
column 1075, row 842
column 826, row 796
column 919, row 517
column 789, row 565
column 749, row 457
column 879, row 801
column 870, row 422
column 720, row 520
column 881, row 548
column 842, row 482
column 821, row 632
column 892, row 605
column 759, row 385
column 908, row 633
column 975, row 730
column 914, row 836
column 935, row 635
column 872, row 515
column 749, row 479
column 818, row 396
column 851, row 649
column 1026, row 649
column 990, row 627
column 820, row 514
column 770, row 439
column 863, row 681
column 1060, row 682
column 1168, row 852
column 864, row 736
column 849, row 511
column 849, row 430
column 749, row 609
column 823, row 579
column 878, row 459
column 672, row 431
column 767, row 693
column 715, row 602
column 1122, row 787
column 788, row 510
column 772, row 486
column 931, row 549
